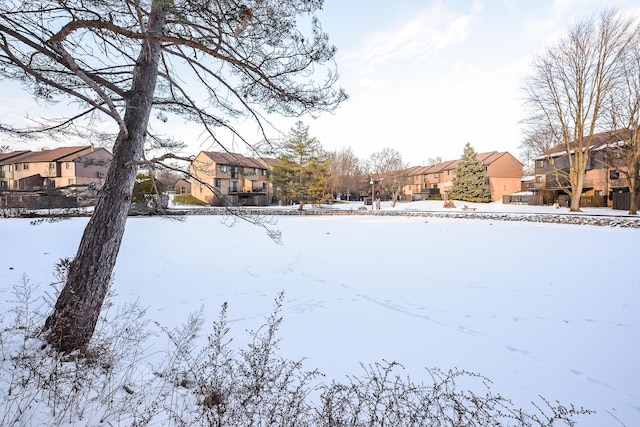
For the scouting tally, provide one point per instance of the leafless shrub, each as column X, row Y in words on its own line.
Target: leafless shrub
column 252, row 386
column 382, row 397
column 38, row 383
column 216, row 383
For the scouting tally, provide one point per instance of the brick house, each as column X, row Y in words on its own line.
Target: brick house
column 504, row 175
column 59, row 167
column 230, row 179
column 602, row 175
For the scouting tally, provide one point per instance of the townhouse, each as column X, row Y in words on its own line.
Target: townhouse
column 604, row 183
column 230, row 179
column 56, row 168
column 503, row 173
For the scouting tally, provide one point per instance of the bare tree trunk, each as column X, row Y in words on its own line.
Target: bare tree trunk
column 76, row 312
column 633, row 199
column 633, row 190
column 577, row 179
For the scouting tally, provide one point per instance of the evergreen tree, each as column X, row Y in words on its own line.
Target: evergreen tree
column 302, row 173
column 144, row 187
column 469, row 182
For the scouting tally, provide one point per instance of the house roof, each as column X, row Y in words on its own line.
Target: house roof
column 73, row 156
column 486, row 159
column 271, row 162
column 440, row 167
column 55, row 155
column 415, row 170
column 6, row 158
column 233, row 159
column 598, row 140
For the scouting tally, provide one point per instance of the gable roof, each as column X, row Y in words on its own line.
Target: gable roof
column 6, row 158
column 415, row 170
column 598, row 140
column 437, row 168
column 233, row 159
column 486, row 159
column 55, row 155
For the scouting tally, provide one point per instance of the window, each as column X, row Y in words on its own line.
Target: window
column 234, row 186
column 599, row 193
column 68, row 165
column 234, row 172
column 264, row 185
column 435, row 175
column 614, row 174
column 18, row 166
column 264, row 172
column 52, row 165
column 217, row 183
column 223, row 168
column 541, row 163
column 25, row 166
column 539, row 179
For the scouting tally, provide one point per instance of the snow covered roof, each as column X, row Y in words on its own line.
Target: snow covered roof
column 598, row 141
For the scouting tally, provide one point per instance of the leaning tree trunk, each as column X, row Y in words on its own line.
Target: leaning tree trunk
column 76, row 312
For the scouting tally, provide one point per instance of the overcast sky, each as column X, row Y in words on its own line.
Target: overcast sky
column 427, row 76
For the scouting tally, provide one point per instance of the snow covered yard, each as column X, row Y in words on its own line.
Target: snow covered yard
column 540, row 309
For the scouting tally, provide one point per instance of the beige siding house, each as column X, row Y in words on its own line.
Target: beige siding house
column 59, row 167
column 230, row 179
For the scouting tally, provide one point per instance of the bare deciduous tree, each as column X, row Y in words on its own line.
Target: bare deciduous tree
column 537, row 141
column 388, row 165
column 625, row 115
column 432, row 161
column 569, row 84
column 207, row 61
column 345, row 171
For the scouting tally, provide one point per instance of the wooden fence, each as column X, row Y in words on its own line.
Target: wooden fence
column 29, row 200
column 562, row 200
column 622, row 201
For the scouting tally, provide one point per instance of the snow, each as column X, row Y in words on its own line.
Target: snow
column 540, row 309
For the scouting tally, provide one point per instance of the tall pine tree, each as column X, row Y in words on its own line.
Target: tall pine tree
column 469, row 183
column 302, row 173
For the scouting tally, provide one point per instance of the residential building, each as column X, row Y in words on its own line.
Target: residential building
column 182, row 186
column 230, row 179
column 504, row 175
column 418, row 186
column 603, row 178
column 56, row 168
column 6, row 168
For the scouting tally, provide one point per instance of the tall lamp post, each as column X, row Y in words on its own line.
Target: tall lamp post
column 373, row 183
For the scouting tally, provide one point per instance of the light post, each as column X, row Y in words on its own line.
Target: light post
column 373, row 183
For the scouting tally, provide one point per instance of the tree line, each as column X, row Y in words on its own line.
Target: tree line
column 306, row 173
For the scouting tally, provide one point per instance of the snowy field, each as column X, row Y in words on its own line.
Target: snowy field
column 540, row 309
